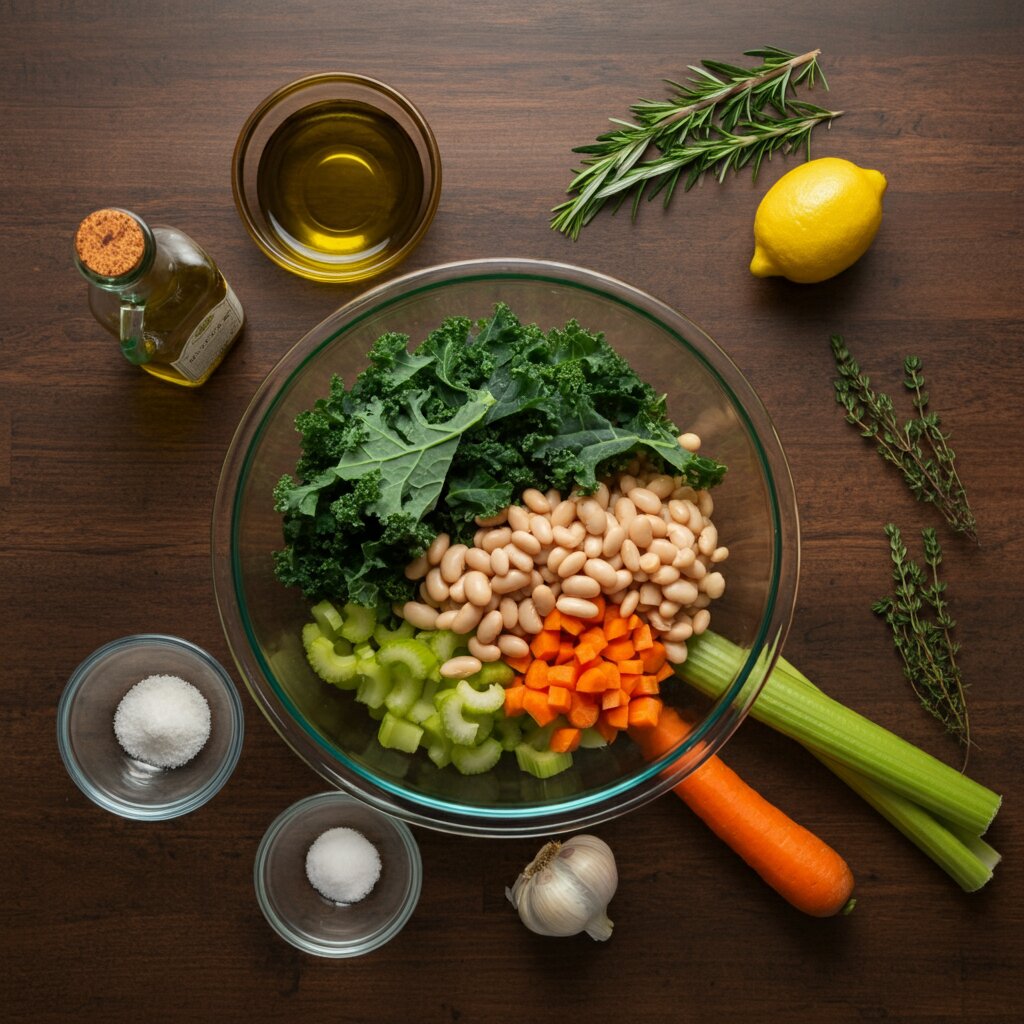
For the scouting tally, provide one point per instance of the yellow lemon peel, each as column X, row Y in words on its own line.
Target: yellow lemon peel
column 817, row 220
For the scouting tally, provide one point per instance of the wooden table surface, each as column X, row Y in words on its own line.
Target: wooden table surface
column 107, row 479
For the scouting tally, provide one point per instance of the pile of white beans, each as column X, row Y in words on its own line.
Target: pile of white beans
column 644, row 541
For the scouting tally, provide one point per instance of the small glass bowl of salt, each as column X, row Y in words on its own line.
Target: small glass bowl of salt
column 150, row 727
column 335, row 877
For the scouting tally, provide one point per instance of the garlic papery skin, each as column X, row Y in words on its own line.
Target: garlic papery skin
column 567, row 887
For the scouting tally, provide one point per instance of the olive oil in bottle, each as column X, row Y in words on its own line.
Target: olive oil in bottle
column 341, row 183
column 159, row 293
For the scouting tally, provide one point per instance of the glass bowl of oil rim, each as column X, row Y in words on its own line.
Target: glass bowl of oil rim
column 337, row 177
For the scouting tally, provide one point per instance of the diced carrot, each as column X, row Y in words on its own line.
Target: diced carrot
column 615, row 626
column 518, row 665
column 583, row 711
column 642, row 638
column 609, row 732
column 644, row 712
column 613, row 698
column 599, row 602
column 586, row 652
column 535, row 703
column 595, row 637
column 571, row 624
column 565, row 739
column 545, row 644
column 647, row 686
column 631, row 666
column 563, row 675
column 664, row 672
column 619, row 650
column 628, row 682
column 537, row 675
column 553, row 620
column 653, row 657
column 559, row 699
column 593, row 680
column 565, row 652
column 514, row 700
column 635, row 622
column 617, row 717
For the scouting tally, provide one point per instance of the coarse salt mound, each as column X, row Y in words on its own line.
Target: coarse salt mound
column 162, row 721
column 343, row 865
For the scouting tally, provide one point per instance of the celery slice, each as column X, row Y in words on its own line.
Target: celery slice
column 310, row 632
column 399, row 734
column 792, row 705
column 405, row 691
column 384, row 636
column 489, row 700
column 328, row 618
column 414, row 655
column 490, row 673
column 443, row 642
column 542, row 764
column 477, row 759
column 337, row 669
column 357, row 623
column 456, row 727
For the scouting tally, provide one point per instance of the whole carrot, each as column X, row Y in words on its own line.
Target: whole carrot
column 798, row 865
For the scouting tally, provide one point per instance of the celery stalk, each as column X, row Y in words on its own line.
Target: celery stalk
column 968, row 865
column 792, row 705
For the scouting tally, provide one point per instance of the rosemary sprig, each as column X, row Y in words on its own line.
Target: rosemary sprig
column 917, row 612
column 724, row 117
column 918, row 448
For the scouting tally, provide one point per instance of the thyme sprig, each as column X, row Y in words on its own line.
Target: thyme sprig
column 917, row 612
column 724, row 117
column 918, row 448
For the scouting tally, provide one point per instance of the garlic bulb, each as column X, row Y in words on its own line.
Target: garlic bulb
column 567, row 887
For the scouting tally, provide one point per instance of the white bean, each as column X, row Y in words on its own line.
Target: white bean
column 540, row 527
column 682, row 629
column 477, row 588
column 518, row 518
column 705, row 503
column 645, row 500
column 529, row 617
column 535, row 501
column 630, row 555
column 649, row 562
column 708, row 540
column 577, row 606
column 613, row 540
column 467, row 619
column 457, row 591
column 417, row 568
column 499, row 562
column 496, row 538
column 513, row 646
column 625, row 511
column 593, row 516
column 650, row 595
column 683, row 592
column 701, row 621
column 496, row 520
column 445, row 619
column 509, row 612
column 525, row 541
column 665, row 550
column 713, row 585
column 461, row 667
column 453, row 563
column 593, row 545
column 689, row 441
column 422, row 616
column 521, row 559
column 661, row 486
column 563, row 513
column 543, row 599
column 601, row 571
column 484, row 652
column 436, row 586
column 581, row 586
column 512, row 580
column 720, row 554
column 641, row 533
column 438, row 546
column 490, row 627
column 564, row 537
column 665, row 575
column 675, row 652
column 478, row 559
column 629, row 603
column 572, row 564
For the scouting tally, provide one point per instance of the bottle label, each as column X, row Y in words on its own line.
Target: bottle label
column 208, row 341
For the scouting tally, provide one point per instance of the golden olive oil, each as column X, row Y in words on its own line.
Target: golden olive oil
column 341, row 183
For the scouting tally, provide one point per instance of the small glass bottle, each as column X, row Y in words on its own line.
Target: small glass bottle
column 159, row 293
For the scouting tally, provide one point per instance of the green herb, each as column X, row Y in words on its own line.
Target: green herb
column 426, row 441
column 939, row 809
column 918, row 615
column 725, row 117
column 918, row 448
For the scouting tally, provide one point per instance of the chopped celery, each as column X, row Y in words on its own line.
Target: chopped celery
column 491, row 673
column 592, row 739
column 484, row 724
column 542, row 764
column 508, row 732
column 457, row 728
column 405, row 691
column 334, row 668
column 414, row 655
column 327, row 617
column 383, row 636
column 791, row 704
column 310, row 632
column 443, row 642
column 478, row 759
column 440, row 752
column 398, row 733
column 490, row 699
column 357, row 623
column 374, row 686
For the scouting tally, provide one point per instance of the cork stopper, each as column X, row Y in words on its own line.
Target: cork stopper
column 110, row 243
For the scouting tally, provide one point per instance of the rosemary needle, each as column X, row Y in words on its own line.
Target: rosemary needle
column 724, row 117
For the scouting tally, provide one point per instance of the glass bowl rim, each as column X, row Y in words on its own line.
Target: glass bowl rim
column 240, row 154
column 624, row 794
column 125, row 808
column 372, row 940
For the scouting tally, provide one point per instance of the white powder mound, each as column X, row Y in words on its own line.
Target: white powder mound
column 343, row 865
column 162, row 721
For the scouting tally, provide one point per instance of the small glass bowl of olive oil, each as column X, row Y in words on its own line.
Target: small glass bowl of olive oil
column 337, row 177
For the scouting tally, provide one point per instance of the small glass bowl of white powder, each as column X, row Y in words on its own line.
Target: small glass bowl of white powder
column 150, row 726
column 335, row 877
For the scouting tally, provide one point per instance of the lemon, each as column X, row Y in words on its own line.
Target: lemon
column 817, row 220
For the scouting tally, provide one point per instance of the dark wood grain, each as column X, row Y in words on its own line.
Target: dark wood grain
column 107, row 481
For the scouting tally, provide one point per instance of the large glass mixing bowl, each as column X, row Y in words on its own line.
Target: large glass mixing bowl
column 755, row 512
